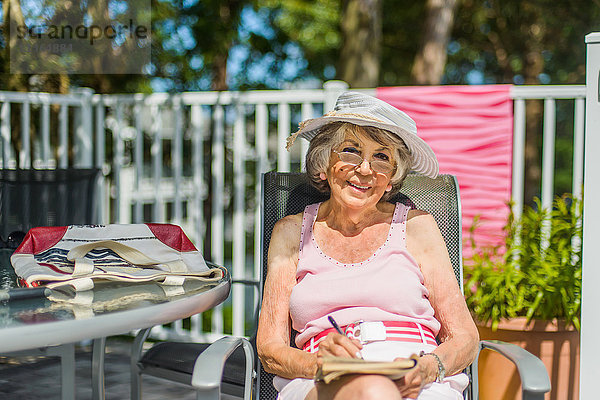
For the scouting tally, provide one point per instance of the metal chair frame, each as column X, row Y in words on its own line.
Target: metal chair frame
column 441, row 198
column 289, row 193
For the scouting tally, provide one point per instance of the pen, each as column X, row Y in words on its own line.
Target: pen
column 339, row 330
column 335, row 325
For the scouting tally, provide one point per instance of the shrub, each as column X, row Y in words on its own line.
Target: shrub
column 536, row 274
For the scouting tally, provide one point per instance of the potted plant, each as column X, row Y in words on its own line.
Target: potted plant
column 528, row 291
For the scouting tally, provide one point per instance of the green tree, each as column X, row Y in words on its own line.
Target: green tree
column 12, row 15
column 342, row 38
column 192, row 41
column 68, row 14
column 522, row 41
column 310, row 28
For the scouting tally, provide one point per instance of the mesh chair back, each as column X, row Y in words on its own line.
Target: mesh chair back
column 290, row 193
column 30, row 198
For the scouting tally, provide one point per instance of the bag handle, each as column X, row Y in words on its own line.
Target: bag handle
column 129, row 254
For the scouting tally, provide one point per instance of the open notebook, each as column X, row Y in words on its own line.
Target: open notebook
column 334, row 367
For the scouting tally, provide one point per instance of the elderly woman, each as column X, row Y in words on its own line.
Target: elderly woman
column 381, row 270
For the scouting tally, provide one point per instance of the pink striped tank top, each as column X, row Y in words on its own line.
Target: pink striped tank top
column 388, row 286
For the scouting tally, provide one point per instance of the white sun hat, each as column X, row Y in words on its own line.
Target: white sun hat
column 361, row 109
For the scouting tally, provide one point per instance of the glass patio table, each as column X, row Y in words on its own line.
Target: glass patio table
column 109, row 309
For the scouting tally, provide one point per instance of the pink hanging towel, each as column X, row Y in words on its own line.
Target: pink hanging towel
column 470, row 129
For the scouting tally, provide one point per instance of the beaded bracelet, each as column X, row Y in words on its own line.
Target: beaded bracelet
column 441, row 374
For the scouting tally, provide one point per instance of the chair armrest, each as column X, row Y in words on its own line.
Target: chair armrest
column 534, row 376
column 208, row 369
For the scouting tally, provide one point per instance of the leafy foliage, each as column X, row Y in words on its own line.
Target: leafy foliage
column 274, row 43
column 521, row 41
column 537, row 274
column 302, row 40
column 403, row 24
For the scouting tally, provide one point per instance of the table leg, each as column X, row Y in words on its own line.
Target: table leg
column 66, row 352
column 98, row 350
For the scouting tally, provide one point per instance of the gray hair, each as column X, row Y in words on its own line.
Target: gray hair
column 333, row 135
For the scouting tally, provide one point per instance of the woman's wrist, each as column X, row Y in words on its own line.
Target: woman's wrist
column 439, row 369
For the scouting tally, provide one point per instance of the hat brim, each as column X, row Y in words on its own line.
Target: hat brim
column 424, row 160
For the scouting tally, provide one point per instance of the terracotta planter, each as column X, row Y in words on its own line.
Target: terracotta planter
column 557, row 347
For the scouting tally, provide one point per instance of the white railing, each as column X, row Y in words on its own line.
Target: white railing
column 550, row 96
column 195, row 159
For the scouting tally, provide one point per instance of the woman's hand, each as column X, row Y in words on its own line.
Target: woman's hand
column 412, row 383
column 338, row 345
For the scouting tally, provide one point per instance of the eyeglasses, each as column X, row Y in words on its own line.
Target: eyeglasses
column 381, row 166
column 13, row 240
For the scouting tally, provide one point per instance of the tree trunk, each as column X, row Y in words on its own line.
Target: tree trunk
column 13, row 15
column 430, row 61
column 219, row 69
column 229, row 17
column 360, row 55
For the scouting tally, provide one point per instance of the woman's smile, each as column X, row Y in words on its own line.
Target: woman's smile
column 359, row 187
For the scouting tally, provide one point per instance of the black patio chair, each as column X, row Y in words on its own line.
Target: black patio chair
column 53, row 197
column 57, row 197
column 289, row 193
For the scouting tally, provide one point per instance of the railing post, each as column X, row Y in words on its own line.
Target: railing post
column 590, row 322
column 239, row 216
column 25, row 157
column 218, row 201
column 99, row 151
column 47, row 151
column 84, row 132
column 122, row 200
column 332, row 90
column 518, row 160
column 283, row 132
column 5, row 134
